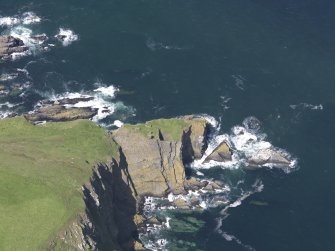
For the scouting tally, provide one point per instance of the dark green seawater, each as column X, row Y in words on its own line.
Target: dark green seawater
column 227, row 58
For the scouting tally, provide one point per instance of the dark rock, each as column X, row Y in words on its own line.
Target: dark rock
column 61, row 37
column 72, row 101
column 40, row 38
column 58, row 113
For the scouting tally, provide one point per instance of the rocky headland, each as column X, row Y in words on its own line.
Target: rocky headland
column 146, row 159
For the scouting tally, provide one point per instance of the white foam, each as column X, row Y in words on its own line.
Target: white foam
column 7, row 104
column 101, row 99
column 246, row 142
column 153, row 45
column 4, row 115
column 224, row 102
column 108, row 91
column 104, row 108
column 8, row 76
column 9, row 21
column 239, row 81
column 30, row 18
column 304, row 106
column 118, row 123
column 66, row 36
column 27, row 18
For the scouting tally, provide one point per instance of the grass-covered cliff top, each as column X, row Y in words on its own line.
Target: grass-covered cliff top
column 170, row 129
column 42, row 170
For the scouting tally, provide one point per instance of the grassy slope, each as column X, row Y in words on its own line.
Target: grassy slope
column 42, row 169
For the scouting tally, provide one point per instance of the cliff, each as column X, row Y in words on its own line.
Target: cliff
column 54, row 200
column 73, row 186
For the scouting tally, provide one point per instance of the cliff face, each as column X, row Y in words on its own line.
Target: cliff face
column 107, row 223
column 149, row 162
column 155, row 153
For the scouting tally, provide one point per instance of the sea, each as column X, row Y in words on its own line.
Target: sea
column 264, row 66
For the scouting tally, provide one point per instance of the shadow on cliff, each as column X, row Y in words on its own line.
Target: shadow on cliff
column 111, row 207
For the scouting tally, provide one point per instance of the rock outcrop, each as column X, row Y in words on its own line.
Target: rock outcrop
column 59, row 113
column 222, row 153
column 150, row 162
column 268, row 157
column 155, row 153
column 10, row 45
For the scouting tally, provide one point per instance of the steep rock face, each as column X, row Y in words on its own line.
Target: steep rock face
column 155, row 153
column 107, row 223
column 150, row 161
column 153, row 165
column 198, row 131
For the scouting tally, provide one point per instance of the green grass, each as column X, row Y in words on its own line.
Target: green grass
column 171, row 129
column 42, row 170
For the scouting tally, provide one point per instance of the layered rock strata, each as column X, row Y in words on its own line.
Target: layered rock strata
column 10, row 45
column 149, row 162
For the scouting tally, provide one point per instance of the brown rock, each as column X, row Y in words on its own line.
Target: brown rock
column 138, row 219
column 58, row 113
column 198, row 130
column 221, row 153
column 180, row 203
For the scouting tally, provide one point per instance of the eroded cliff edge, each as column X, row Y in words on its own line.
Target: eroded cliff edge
column 150, row 161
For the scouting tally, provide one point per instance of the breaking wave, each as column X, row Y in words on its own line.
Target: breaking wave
column 21, row 27
column 304, row 106
column 101, row 98
column 247, row 142
column 26, row 18
column 66, row 36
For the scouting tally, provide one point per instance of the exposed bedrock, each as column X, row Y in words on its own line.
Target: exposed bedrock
column 107, row 223
column 10, row 45
column 155, row 153
column 58, row 113
column 150, row 161
column 222, row 153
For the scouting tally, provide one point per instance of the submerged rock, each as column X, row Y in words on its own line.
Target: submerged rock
column 58, row 113
column 10, row 45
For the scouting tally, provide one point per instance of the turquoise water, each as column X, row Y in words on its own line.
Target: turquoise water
column 230, row 59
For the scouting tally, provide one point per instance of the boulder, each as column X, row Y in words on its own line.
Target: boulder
column 268, row 156
column 181, row 203
column 221, row 153
column 58, row 113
